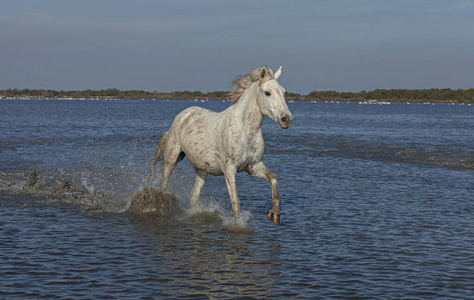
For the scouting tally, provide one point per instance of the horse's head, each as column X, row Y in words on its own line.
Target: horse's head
column 271, row 98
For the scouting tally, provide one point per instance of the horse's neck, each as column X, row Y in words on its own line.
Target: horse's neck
column 246, row 109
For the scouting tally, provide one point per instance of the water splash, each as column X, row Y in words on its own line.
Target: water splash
column 209, row 212
column 240, row 224
column 143, row 204
column 151, row 205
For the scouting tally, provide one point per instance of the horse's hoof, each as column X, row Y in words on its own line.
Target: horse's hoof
column 275, row 218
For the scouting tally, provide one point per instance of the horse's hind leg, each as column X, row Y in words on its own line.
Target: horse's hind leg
column 201, row 177
column 172, row 156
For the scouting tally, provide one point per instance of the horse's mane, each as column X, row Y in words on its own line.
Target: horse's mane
column 243, row 83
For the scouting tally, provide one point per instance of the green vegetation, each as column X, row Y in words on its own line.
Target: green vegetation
column 393, row 95
column 110, row 94
column 398, row 95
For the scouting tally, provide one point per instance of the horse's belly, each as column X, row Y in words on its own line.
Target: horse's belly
column 206, row 161
column 208, row 167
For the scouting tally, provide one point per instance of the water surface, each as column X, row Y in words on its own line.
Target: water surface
column 376, row 203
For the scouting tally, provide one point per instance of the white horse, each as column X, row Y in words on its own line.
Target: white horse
column 230, row 141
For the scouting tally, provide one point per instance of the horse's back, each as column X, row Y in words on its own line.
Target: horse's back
column 191, row 118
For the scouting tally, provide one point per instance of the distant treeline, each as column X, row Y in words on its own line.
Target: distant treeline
column 395, row 95
column 111, row 93
column 398, row 95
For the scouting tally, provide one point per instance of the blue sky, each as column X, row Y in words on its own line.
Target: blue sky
column 172, row 45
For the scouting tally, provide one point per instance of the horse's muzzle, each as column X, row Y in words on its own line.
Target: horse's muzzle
column 285, row 121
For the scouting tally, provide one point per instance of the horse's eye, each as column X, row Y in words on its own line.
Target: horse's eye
column 267, row 93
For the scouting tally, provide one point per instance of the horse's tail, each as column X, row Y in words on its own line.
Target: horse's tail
column 158, row 153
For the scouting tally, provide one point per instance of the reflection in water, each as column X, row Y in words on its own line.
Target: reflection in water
column 216, row 255
column 211, row 262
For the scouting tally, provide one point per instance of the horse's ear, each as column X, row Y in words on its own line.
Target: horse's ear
column 278, row 73
column 262, row 73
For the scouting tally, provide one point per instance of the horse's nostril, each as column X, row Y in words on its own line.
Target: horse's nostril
column 284, row 119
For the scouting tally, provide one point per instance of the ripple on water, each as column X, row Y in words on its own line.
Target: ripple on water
column 376, row 203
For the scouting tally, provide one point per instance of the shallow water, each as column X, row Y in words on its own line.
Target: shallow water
column 377, row 203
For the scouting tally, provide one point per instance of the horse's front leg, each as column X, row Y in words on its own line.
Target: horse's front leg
column 198, row 185
column 229, row 175
column 260, row 170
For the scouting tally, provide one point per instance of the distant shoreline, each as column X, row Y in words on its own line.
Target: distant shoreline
column 378, row 95
column 204, row 100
